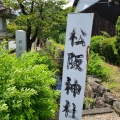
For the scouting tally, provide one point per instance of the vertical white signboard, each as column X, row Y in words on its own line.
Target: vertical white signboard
column 78, row 34
column 20, row 42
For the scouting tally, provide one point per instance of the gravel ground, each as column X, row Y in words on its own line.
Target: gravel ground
column 108, row 116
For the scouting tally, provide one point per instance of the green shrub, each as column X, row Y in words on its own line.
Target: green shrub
column 106, row 47
column 109, row 51
column 118, row 35
column 62, row 38
column 88, row 103
column 37, row 58
column 56, row 52
column 96, row 44
column 96, row 66
column 25, row 87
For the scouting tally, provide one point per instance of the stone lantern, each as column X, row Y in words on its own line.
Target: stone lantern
column 5, row 13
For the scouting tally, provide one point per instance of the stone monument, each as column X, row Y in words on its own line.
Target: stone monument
column 20, row 42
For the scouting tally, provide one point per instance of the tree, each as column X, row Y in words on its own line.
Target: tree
column 39, row 18
column 59, row 37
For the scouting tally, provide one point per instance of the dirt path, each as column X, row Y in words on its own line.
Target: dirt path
column 108, row 116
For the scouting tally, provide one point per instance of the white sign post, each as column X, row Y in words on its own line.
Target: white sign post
column 20, row 42
column 78, row 34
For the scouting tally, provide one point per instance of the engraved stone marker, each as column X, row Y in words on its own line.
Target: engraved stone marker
column 20, row 42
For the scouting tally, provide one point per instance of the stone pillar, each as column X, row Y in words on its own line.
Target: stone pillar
column 20, row 42
column 2, row 24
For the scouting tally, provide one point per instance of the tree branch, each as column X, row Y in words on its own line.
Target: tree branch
column 28, row 30
column 23, row 9
column 40, row 11
column 35, row 35
column 32, row 5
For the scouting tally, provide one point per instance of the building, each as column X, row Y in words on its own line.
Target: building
column 5, row 13
column 105, row 14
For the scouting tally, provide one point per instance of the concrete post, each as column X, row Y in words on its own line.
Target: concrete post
column 20, row 42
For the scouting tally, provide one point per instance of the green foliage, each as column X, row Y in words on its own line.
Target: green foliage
column 11, row 28
column 88, row 102
column 118, row 35
column 39, row 18
column 109, row 51
column 106, row 47
column 56, row 51
column 60, row 27
column 61, row 38
column 96, row 66
column 96, row 44
column 105, row 34
column 26, row 87
column 37, row 58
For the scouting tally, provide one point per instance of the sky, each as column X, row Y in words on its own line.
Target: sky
column 70, row 4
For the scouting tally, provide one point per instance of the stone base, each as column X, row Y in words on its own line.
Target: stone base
column 5, row 35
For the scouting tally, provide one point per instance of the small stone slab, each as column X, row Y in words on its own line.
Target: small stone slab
column 97, row 111
column 116, row 107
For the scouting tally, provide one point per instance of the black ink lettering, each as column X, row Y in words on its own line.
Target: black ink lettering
column 78, row 62
column 68, row 85
column 72, row 37
column 74, row 88
column 69, row 111
column 73, row 110
column 70, row 62
column 80, row 41
column 74, row 61
column 83, row 33
column 66, row 108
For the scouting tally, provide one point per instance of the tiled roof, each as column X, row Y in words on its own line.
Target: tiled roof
column 6, row 12
column 76, row 2
column 1, row 6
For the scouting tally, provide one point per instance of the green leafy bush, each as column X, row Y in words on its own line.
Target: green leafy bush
column 118, row 35
column 96, row 44
column 109, row 51
column 96, row 66
column 62, row 38
column 56, row 51
column 106, row 47
column 26, row 87
column 88, row 103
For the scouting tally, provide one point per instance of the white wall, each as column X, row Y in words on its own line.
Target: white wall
column 83, row 4
column 11, row 45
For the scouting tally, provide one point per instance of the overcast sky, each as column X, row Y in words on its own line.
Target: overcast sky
column 70, row 3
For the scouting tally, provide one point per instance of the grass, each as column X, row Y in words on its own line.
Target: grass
column 114, row 80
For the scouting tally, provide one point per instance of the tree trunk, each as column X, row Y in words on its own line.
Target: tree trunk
column 29, row 44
